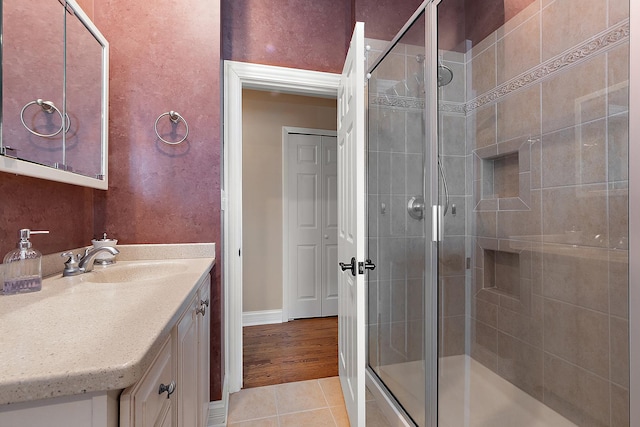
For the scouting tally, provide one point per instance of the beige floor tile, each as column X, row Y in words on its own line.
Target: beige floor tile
column 299, row 396
column 340, row 416
column 316, row 418
column 252, row 403
column 332, row 391
column 263, row 422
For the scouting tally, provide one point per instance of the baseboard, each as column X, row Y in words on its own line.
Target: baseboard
column 265, row 317
column 219, row 409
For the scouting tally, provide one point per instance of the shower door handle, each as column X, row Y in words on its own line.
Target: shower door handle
column 353, row 266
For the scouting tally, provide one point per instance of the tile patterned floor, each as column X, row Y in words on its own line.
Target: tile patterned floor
column 314, row 403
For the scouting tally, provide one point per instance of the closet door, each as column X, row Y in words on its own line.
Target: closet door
column 305, row 225
column 329, row 226
column 313, row 225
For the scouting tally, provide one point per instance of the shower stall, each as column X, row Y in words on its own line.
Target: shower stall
column 498, row 200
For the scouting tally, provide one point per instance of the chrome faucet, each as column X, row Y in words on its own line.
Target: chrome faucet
column 84, row 264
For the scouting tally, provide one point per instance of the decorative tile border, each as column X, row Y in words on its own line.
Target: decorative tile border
column 605, row 40
column 610, row 38
column 452, row 107
column 396, row 101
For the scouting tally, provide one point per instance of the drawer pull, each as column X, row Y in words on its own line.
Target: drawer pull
column 202, row 310
column 168, row 388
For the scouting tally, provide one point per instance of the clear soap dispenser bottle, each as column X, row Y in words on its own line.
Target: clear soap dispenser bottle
column 23, row 266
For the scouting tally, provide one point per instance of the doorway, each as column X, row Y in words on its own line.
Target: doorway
column 265, row 78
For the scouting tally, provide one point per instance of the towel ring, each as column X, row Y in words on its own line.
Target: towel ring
column 49, row 108
column 175, row 117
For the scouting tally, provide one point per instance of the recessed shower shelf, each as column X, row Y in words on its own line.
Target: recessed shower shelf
column 503, row 180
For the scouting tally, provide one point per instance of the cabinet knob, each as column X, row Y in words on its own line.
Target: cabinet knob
column 168, row 388
column 205, row 302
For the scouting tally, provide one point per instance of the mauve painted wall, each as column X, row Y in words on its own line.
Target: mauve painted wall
column 384, row 18
column 289, row 33
column 65, row 210
column 165, row 56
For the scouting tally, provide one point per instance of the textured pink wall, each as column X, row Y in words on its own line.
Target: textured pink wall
column 290, row 33
column 164, row 56
column 65, row 210
column 384, row 18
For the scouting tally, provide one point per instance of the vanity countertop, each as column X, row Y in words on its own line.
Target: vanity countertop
column 75, row 336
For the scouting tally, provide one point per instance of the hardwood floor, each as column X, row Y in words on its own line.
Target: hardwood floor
column 299, row 350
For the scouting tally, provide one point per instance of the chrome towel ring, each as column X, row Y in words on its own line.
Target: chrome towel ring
column 175, row 117
column 48, row 107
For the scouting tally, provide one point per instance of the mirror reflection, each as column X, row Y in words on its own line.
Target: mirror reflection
column 53, row 91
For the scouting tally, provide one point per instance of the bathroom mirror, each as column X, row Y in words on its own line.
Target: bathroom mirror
column 54, row 93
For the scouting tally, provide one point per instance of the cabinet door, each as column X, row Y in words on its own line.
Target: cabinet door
column 204, row 326
column 143, row 405
column 187, row 366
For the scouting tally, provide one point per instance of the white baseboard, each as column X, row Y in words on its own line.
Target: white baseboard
column 266, row 317
column 219, row 409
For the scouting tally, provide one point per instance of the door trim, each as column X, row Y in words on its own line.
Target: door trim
column 238, row 76
column 286, row 285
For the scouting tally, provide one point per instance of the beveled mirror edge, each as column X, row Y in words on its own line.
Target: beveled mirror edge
column 22, row 167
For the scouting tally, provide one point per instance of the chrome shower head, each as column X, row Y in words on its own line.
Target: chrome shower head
column 445, row 75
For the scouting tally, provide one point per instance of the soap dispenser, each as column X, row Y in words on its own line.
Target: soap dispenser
column 23, row 266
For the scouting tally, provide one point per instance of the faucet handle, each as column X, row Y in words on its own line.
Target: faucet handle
column 71, row 267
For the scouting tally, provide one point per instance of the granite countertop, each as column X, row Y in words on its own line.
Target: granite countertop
column 76, row 336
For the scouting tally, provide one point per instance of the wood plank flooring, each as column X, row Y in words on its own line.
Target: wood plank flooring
column 299, row 350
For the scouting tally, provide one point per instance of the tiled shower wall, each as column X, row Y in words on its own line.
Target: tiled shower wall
column 547, row 134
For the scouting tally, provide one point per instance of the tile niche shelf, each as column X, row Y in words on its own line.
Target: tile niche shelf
column 502, row 176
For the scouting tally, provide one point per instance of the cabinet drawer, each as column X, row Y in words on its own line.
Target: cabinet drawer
column 143, row 404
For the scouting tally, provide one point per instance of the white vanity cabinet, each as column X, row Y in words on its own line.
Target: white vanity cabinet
column 83, row 353
column 149, row 401
column 175, row 389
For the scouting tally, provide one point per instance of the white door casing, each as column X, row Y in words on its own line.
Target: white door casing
column 310, row 238
column 239, row 75
column 351, row 228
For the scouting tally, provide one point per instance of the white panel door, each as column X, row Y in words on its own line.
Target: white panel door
column 329, row 226
column 351, row 228
column 312, row 225
column 305, row 224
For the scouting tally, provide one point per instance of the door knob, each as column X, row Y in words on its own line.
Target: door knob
column 352, row 266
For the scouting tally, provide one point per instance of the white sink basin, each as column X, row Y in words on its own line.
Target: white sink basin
column 137, row 272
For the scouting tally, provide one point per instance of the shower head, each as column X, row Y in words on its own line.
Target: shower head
column 445, row 75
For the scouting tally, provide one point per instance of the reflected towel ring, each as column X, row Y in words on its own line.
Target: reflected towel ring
column 175, row 117
column 48, row 107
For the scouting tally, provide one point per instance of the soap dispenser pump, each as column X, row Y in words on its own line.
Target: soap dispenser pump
column 23, row 266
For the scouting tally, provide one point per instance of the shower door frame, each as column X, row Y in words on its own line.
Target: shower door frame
column 634, row 214
column 431, row 196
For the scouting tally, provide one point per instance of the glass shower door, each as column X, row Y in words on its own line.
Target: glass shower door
column 396, row 221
